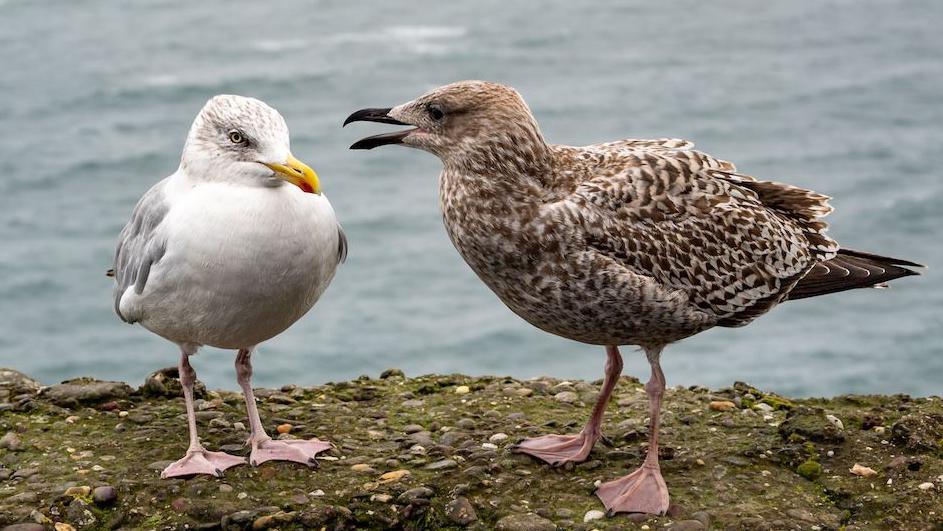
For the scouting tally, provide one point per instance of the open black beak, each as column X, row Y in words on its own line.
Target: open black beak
column 377, row 115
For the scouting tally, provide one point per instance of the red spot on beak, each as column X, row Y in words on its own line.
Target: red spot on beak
column 306, row 187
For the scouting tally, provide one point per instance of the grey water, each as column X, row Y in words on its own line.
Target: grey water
column 841, row 96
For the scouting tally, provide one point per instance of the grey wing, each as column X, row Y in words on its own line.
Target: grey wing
column 140, row 246
column 341, row 244
column 735, row 246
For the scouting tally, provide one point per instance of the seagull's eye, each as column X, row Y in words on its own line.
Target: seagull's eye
column 236, row 137
column 436, row 112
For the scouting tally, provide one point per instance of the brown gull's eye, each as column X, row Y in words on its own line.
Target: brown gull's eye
column 236, row 137
column 435, row 112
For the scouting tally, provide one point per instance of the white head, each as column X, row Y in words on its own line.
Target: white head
column 241, row 139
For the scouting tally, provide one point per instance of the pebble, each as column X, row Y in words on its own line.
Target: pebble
column 238, row 426
column 524, row 392
column 525, row 522
column 24, row 527
column 78, row 491
column 223, row 487
column 219, row 423
column 395, row 475
column 925, row 486
column 413, row 428
column 413, row 403
column 382, row 498
column 566, row 397
column 284, row 428
column 104, row 495
column 10, row 441
column 498, row 437
column 412, row 495
column 722, row 405
column 763, row 406
column 489, row 446
column 363, row 467
column 62, row 526
column 864, row 471
column 595, row 514
column 461, row 511
column 444, row 464
column 316, row 493
column 687, row 525
column 462, row 390
column 835, row 421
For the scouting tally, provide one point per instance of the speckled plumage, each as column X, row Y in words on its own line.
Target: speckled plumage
column 633, row 242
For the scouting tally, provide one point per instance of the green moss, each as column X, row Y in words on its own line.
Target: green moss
column 810, row 470
column 778, row 402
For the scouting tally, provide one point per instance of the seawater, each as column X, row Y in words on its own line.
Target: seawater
column 844, row 97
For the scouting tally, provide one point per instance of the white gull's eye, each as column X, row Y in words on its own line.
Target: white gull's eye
column 236, row 137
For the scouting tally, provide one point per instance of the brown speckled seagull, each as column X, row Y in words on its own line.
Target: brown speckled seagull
column 633, row 242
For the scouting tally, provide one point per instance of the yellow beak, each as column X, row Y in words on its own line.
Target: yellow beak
column 297, row 173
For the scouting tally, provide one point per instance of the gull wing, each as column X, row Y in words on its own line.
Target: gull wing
column 734, row 245
column 140, row 246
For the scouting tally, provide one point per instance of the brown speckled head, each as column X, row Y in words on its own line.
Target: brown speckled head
column 468, row 123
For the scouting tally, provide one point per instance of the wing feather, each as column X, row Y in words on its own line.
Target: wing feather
column 734, row 245
column 140, row 246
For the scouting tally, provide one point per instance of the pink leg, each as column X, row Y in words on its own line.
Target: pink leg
column 642, row 491
column 198, row 460
column 264, row 448
column 560, row 449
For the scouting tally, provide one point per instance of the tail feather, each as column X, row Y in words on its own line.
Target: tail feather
column 851, row 269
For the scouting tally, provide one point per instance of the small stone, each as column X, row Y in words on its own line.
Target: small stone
column 284, row 428
column 10, row 441
column 392, row 373
column 461, row 511
column 413, row 403
column 525, row 522
column 489, row 446
column 363, row 467
column 316, row 493
column 224, row 488
column 722, row 405
column 498, row 437
column 219, row 423
column 466, row 424
column 395, row 475
column 566, row 397
column 382, row 498
column 763, row 407
column 462, row 390
column 595, row 514
column 238, row 426
column 444, row 464
column 925, row 486
column 687, row 525
column 524, row 392
column 62, row 526
column 104, row 495
column 863, row 471
column 412, row 428
column 76, row 492
column 835, row 421
column 25, row 527
column 879, row 430
column 412, row 495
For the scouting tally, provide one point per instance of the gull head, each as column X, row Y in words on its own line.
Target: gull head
column 462, row 122
column 243, row 140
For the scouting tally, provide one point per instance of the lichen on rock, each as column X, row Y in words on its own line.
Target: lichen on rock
column 414, row 453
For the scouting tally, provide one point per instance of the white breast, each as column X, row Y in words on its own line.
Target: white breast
column 242, row 263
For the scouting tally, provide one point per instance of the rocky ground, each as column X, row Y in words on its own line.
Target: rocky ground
column 431, row 453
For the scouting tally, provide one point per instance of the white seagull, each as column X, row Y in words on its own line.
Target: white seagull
column 229, row 251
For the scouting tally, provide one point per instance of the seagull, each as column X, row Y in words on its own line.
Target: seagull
column 229, row 251
column 632, row 242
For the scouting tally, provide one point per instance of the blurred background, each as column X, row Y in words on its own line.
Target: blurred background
column 844, row 97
